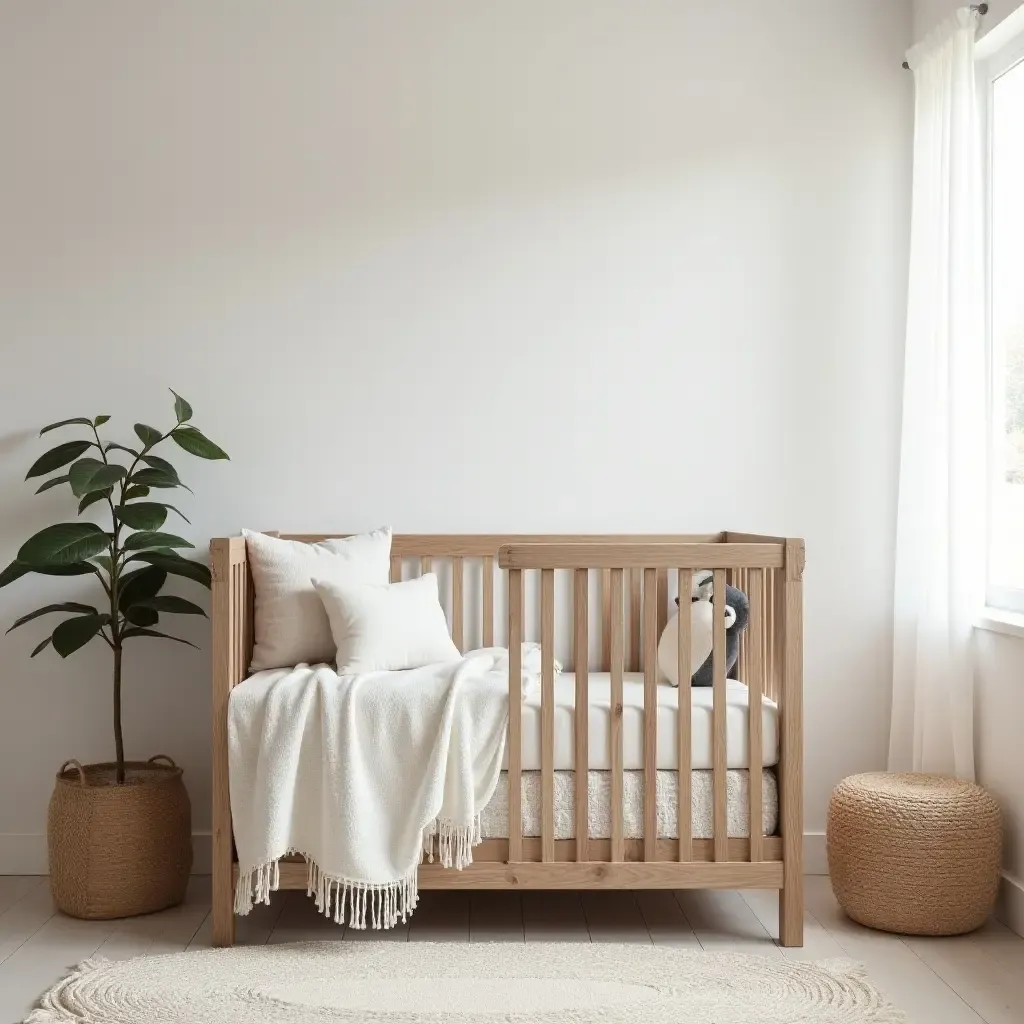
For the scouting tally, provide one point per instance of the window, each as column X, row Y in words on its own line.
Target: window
column 1003, row 82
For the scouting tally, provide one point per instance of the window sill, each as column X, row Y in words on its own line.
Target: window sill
column 998, row 620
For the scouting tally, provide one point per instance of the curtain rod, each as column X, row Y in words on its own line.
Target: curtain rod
column 982, row 9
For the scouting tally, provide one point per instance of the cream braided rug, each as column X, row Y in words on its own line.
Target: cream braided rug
column 410, row 983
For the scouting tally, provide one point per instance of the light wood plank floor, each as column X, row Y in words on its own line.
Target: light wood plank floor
column 975, row 979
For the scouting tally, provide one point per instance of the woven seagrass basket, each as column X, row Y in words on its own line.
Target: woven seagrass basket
column 119, row 850
column 914, row 853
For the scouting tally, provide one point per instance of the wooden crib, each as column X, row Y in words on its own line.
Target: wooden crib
column 617, row 591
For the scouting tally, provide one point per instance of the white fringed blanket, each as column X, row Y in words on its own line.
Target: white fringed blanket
column 360, row 774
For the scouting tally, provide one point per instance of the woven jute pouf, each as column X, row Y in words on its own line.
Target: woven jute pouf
column 119, row 850
column 914, row 853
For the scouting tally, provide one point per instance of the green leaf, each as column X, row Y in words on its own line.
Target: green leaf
column 146, row 515
column 83, row 421
column 18, row 569
column 149, row 436
column 67, row 606
column 39, row 648
column 57, row 480
column 91, row 499
column 73, row 569
column 181, row 408
column 196, row 443
column 13, row 572
column 163, row 505
column 103, row 561
column 131, row 493
column 57, row 457
column 63, row 544
column 77, row 632
column 88, row 475
column 115, row 447
column 147, row 539
column 178, row 510
column 173, row 605
column 136, row 631
column 155, row 478
column 176, row 566
column 98, row 421
column 140, row 585
column 155, row 462
column 138, row 615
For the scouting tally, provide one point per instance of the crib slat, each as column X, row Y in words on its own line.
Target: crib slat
column 547, row 714
column 488, row 602
column 650, row 713
column 606, row 619
column 250, row 619
column 635, row 651
column 582, row 721
column 684, row 813
column 662, row 600
column 458, row 603
column 426, row 564
column 236, row 620
column 743, row 666
column 515, row 714
column 721, row 807
column 771, row 647
column 616, row 666
column 396, row 568
column 755, row 628
column 239, row 589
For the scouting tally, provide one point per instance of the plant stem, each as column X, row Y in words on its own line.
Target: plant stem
column 118, row 738
column 115, row 626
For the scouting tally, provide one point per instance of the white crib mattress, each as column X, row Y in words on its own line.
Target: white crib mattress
column 494, row 819
column 599, row 689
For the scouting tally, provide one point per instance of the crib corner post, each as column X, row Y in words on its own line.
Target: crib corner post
column 228, row 614
column 791, row 896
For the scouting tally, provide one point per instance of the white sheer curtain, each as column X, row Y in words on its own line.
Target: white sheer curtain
column 941, row 518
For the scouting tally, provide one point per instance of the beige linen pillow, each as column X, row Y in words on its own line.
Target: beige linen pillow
column 387, row 628
column 291, row 625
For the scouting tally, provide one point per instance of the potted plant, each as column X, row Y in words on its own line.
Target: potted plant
column 119, row 833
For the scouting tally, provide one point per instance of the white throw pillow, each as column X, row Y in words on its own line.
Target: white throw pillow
column 387, row 628
column 291, row 626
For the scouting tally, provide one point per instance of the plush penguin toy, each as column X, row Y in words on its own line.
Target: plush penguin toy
column 702, row 608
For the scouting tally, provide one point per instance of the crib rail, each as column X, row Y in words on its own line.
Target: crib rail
column 634, row 579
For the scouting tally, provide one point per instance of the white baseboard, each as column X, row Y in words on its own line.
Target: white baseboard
column 815, row 859
column 1010, row 903
column 26, row 855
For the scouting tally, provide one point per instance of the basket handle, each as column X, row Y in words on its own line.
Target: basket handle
column 162, row 757
column 72, row 763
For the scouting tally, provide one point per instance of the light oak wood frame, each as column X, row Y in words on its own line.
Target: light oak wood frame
column 632, row 574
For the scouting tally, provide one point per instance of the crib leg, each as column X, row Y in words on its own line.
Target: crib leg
column 791, row 913
column 223, row 908
column 223, row 921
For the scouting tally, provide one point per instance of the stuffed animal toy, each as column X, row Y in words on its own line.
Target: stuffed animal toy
column 737, row 612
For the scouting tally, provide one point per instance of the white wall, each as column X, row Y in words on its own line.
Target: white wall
column 513, row 266
column 928, row 14
column 1000, row 753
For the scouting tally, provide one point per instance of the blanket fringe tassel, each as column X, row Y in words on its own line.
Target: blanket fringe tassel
column 363, row 904
column 454, row 843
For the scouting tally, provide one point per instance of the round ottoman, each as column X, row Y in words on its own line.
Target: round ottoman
column 914, row 853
